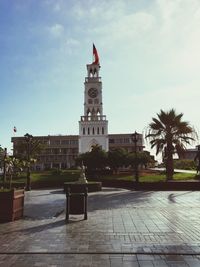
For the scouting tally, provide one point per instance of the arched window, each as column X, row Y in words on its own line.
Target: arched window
column 98, row 130
column 88, row 131
column 84, row 130
column 102, row 130
column 93, row 130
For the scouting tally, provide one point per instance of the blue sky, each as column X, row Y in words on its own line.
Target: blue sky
column 149, row 55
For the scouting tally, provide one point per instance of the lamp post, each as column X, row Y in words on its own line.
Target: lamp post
column 4, row 166
column 197, row 158
column 28, row 138
column 135, row 137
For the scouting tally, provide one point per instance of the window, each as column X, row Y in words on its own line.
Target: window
column 65, row 142
column 119, row 141
column 88, row 131
column 55, row 150
column 64, row 151
column 83, row 131
column 73, row 142
column 102, row 130
column 47, row 151
column 93, row 130
column 98, row 130
column 55, row 142
column 96, row 101
column 89, row 101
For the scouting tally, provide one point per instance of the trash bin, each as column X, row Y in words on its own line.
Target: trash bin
column 76, row 201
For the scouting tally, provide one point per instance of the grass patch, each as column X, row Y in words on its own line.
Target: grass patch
column 151, row 177
column 4, row 190
column 50, row 177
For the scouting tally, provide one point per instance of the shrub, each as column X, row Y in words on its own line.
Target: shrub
column 185, row 164
column 56, row 171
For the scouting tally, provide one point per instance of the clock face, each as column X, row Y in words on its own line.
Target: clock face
column 93, row 92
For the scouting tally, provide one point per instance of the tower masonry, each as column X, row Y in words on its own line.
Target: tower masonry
column 93, row 126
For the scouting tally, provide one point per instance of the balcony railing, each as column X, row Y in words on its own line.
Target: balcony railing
column 93, row 79
column 93, row 118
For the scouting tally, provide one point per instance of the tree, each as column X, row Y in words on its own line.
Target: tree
column 1, row 156
column 32, row 146
column 169, row 135
column 117, row 158
column 12, row 166
column 94, row 160
column 138, row 159
column 145, row 158
column 27, row 150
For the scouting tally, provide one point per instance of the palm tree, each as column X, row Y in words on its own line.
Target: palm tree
column 169, row 135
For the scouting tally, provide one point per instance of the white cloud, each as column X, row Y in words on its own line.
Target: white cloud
column 99, row 11
column 130, row 27
column 56, row 30
column 72, row 42
column 71, row 45
column 57, row 7
column 54, row 5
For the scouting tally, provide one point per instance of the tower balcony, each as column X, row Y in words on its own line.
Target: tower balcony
column 93, row 118
column 93, row 79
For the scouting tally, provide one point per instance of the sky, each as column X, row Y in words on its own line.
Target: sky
column 149, row 56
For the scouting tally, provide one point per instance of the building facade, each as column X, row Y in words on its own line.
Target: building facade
column 189, row 153
column 60, row 151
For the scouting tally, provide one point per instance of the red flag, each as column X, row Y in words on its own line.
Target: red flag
column 95, row 55
column 15, row 129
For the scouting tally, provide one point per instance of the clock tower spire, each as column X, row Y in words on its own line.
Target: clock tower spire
column 93, row 126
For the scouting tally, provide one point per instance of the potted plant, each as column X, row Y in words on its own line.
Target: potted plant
column 11, row 199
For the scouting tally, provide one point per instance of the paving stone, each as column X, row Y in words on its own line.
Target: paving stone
column 160, row 263
column 130, row 264
column 145, row 263
column 119, row 221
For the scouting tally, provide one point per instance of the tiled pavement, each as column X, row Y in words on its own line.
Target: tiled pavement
column 124, row 228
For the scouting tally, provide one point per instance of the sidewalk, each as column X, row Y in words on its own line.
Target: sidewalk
column 124, row 228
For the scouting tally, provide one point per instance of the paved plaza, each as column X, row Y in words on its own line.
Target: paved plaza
column 124, row 228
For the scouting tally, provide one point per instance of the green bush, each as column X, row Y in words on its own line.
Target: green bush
column 56, row 171
column 185, row 164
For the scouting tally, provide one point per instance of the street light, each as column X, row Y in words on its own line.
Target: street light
column 197, row 158
column 28, row 138
column 4, row 166
column 135, row 138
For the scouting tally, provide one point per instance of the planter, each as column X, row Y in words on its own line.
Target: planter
column 11, row 205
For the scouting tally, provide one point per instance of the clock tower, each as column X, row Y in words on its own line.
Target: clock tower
column 93, row 126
